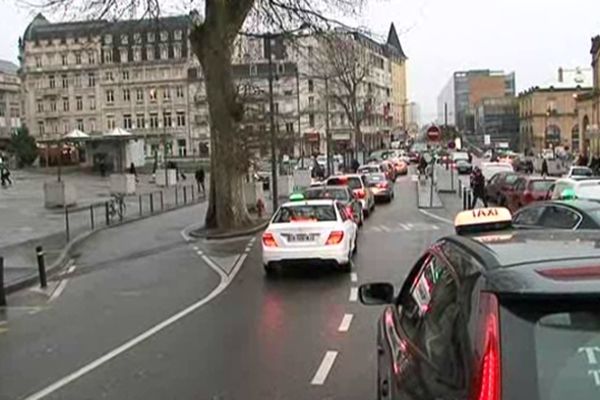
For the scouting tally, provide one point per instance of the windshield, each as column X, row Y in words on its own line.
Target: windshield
column 369, row 169
column 375, row 179
column 460, row 156
column 489, row 171
column 550, row 350
column 352, row 182
column 305, row 213
column 581, row 171
column 322, row 193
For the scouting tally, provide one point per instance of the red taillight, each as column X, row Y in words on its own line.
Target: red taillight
column 488, row 378
column 528, row 197
column 382, row 185
column 360, row 193
column 575, row 273
column 335, row 237
column 269, row 240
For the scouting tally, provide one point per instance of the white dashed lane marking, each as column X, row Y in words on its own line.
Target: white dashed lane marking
column 345, row 324
column 353, row 294
column 353, row 277
column 325, row 367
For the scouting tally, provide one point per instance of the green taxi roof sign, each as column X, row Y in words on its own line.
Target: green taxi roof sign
column 568, row 194
column 296, row 197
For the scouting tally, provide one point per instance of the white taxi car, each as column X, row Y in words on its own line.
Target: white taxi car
column 305, row 232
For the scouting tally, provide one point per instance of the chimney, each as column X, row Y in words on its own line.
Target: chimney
column 560, row 74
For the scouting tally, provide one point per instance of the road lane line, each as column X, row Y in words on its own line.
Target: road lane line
column 199, row 252
column 385, row 228
column 195, row 248
column 353, row 277
column 321, row 374
column 346, row 321
column 434, row 227
column 410, row 226
column 432, row 215
column 61, row 286
column 223, row 284
column 403, row 226
column 353, row 294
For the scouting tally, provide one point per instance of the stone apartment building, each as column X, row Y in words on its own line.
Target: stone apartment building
column 588, row 106
column 10, row 101
column 98, row 75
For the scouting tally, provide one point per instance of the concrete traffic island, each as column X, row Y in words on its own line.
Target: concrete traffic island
column 59, row 194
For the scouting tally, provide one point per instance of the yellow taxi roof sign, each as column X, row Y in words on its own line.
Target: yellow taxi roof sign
column 482, row 220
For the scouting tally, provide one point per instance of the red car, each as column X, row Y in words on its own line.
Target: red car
column 528, row 189
column 498, row 189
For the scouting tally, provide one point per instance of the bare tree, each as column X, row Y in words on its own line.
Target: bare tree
column 212, row 35
column 345, row 63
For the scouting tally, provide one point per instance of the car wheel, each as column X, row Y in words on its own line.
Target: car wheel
column 355, row 244
column 270, row 270
column 365, row 213
column 346, row 267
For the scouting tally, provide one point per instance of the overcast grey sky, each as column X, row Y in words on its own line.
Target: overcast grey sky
column 531, row 37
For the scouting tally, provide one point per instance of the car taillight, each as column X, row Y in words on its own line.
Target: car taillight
column 488, row 376
column 269, row 240
column 335, row 237
column 382, row 185
column 360, row 193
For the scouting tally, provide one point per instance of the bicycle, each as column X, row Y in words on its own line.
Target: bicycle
column 117, row 207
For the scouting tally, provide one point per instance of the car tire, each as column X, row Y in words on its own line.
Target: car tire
column 346, row 267
column 355, row 244
column 270, row 270
column 366, row 214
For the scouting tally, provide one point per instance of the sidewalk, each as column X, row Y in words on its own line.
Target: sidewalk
column 26, row 223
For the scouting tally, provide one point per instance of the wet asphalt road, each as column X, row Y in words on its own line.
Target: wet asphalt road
column 147, row 315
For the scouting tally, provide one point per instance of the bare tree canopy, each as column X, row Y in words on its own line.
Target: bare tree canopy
column 215, row 24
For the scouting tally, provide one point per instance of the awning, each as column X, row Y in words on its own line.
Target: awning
column 118, row 132
column 76, row 134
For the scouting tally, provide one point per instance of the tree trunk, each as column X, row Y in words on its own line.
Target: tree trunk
column 212, row 44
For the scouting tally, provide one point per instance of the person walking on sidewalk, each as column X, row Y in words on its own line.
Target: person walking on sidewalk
column 200, row 175
column 544, row 167
column 5, row 175
column 478, row 187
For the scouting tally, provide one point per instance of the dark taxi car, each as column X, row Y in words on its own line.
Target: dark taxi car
column 343, row 194
column 500, row 314
column 559, row 214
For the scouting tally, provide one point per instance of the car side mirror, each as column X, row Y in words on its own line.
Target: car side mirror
column 372, row 294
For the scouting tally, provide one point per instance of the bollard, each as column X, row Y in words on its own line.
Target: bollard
column 162, row 201
column 184, row 195
column 121, row 204
column 176, row 196
column 67, row 230
column 140, row 203
column 151, row 203
column 452, row 178
column 92, row 215
column 459, row 188
column 106, row 213
column 2, row 292
column 464, row 198
column 41, row 266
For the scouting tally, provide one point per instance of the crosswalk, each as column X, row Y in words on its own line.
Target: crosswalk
column 402, row 227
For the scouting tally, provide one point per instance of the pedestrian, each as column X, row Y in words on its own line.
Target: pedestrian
column 478, row 187
column 422, row 167
column 200, row 175
column 5, row 175
column 132, row 169
column 544, row 167
column 355, row 165
column 470, row 157
column 102, row 168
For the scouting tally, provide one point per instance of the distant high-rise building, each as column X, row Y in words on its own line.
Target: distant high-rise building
column 458, row 99
column 10, row 101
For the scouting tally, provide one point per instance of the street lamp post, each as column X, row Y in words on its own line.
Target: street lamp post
column 274, row 192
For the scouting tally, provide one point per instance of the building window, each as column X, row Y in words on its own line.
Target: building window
column 311, row 120
column 289, row 127
column 78, row 58
column 41, row 130
column 311, row 101
column 280, row 69
column 108, row 55
column 65, row 81
column 166, row 94
column 137, row 38
column 253, row 70
column 91, row 57
column 77, row 80
column 108, row 76
column 79, row 103
column 110, row 122
column 38, row 61
column 53, row 105
column 127, row 122
column 80, row 125
column 310, row 51
column 139, row 95
column 164, row 51
column 107, row 39
column 110, row 96
column 91, row 79
column 180, row 118
column 150, row 37
column 176, row 51
column 92, row 125
column 92, row 102
column 140, row 121
column 40, row 106
column 137, row 54
column 126, row 95
column 153, row 120
column 181, row 149
column 64, row 59
column 311, row 86
column 167, row 121
column 51, row 82
column 124, row 39
column 178, row 34
column 152, row 95
column 65, row 103
column 179, row 92
column 150, row 53
column 164, row 36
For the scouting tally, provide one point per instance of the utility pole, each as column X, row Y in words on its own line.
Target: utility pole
column 327, row 131
column 274, row 193
column 299, row 129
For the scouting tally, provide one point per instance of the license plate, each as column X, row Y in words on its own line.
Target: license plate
column 302, row 237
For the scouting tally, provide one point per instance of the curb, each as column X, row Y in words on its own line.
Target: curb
column 65, row 252
column 228, row 235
